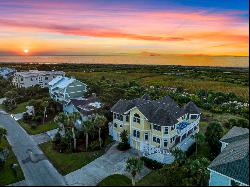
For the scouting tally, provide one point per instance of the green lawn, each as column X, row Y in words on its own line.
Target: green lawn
column 20, row 108
column 68, row 162
column 7, row 175
column 151, row 179
column 2, row 107
column 115, row 180
column 40, row 128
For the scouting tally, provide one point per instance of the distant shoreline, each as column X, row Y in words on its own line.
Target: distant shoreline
column 192, row 61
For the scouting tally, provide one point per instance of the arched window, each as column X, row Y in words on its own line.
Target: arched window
column 136, row 118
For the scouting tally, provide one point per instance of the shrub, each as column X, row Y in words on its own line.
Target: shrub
column 57, row 139
column 151, row 164
column 123, row 147
column 27, row 117
column 33, row 126
column 94, row 145
column 3, row 156
column 191, row 150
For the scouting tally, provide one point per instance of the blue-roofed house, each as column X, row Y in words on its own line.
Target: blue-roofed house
column 62, row 89
column 231, row 166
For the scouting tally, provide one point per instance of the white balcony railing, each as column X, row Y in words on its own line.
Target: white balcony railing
column 148, row 150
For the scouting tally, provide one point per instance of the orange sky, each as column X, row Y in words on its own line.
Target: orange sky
column 75, row 28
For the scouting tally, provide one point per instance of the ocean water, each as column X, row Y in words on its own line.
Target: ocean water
column 224, row 61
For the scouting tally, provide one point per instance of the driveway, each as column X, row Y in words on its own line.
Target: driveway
column 112, row 162
column 37, row 169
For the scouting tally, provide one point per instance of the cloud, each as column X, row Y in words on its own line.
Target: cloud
column 86, row 31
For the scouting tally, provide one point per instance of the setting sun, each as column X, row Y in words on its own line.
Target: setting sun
column 26, row 51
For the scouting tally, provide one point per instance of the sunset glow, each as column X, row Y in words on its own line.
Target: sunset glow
column 80, row 27
column 26, row 51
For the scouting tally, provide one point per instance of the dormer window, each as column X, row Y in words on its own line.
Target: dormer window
column 157, row 127
column 136, row 118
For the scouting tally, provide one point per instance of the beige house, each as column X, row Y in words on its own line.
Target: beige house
column 155, row 126
column 34, row 77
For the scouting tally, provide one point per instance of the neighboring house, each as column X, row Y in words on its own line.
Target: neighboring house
column 6, row 72
column 62, row 89
column 87, row 107
column 34, row 77
column 155, row 126
column 231, row 166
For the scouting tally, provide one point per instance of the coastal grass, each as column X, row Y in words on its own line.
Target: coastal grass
column 116, row 180
column 148, row 79
column 7, row 175
column 193, row 84
column 39, row 128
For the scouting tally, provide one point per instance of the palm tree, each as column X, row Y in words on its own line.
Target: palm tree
column 198, row 169
column 45, row 104
column 61, row 120
column 199, row 138
column 88, row 127
column 100, row 122
column 179, row 155
column 12, row 95
column 213, row 134
column 3, row 132
column 134, row 166
column 72, row 120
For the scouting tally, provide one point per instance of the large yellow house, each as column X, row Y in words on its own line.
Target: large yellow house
column 155, row 126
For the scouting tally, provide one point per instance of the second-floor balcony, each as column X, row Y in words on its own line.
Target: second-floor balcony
column 186, row 126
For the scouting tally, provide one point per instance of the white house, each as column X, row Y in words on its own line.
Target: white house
column 34, row 77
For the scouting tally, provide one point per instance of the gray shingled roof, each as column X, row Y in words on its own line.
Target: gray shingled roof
column 164, row 111
column 236, row 133
column 191, row 108
column 124, row 105
column 84, row 106
column 146, row 97
column 233, row 161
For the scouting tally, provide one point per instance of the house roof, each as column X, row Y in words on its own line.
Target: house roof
column 55, row 80
column 164, row 111
column 87, row 106
column 6, row 70
column 233, row 161
column 191, row 108
column 32, row 73
column 236, row 133
column 61, row 82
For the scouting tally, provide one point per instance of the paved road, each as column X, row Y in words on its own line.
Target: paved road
column 37, row 169
column 112, row 162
